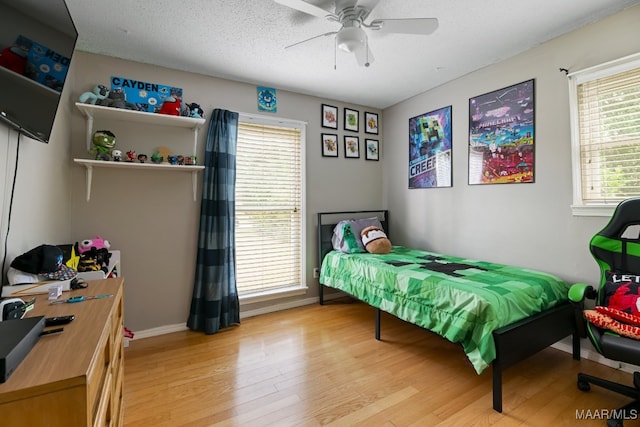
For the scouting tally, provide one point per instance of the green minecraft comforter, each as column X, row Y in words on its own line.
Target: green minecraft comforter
column 461, row 299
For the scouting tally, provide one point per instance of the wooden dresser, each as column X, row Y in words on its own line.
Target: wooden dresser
column 72, row 378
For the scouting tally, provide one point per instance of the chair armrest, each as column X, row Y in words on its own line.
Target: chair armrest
column 578, row 292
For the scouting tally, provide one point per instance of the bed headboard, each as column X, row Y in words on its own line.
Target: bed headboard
column 328, row 220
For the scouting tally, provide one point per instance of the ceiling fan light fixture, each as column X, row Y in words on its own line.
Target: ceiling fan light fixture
column 350, row 38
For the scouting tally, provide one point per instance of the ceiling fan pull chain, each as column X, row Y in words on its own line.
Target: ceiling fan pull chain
column 335, row 53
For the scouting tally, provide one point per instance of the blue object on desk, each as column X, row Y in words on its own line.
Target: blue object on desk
column 81, row 298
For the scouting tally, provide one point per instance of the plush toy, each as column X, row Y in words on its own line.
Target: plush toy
column 195, row 111
column 94, row 254
column 14, row 58
column 95, row 243
column 98, row 93
column 170, row 106
column 375, row 240
column 103, row 143
column 117, row 99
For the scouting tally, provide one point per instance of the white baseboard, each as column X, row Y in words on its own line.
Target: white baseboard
column 167, row 329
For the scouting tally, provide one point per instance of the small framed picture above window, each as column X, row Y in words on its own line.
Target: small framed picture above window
column 329, row 145
column 329, row 116
column 351, row 120
column 371, row 123
column 372, row 149
column 352, row 147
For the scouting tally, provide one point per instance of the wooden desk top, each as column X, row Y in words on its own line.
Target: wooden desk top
column 63, row 359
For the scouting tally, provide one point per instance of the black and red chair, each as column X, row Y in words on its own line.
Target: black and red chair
column 616, row 249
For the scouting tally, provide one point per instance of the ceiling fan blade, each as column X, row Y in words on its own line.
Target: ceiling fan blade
column 305, row 7
column 312, row 38
column 422, row 26
column 363, row 55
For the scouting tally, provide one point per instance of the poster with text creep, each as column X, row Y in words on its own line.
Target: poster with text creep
column 501, row 135
column 430, row 144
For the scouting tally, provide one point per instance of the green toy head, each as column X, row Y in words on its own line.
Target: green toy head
column 104, row 140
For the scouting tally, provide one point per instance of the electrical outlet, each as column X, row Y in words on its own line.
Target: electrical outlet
column 316, row 273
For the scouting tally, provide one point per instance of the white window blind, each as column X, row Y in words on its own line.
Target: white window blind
column 607, row 116
column 268, row 222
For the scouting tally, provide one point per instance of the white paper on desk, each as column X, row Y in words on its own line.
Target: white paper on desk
column 34, row 288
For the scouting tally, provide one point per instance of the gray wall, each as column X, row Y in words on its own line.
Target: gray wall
column 151, row 216
column 529, row 225
column 41, row 207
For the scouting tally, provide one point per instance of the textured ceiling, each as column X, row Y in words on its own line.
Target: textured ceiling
column 244, row 40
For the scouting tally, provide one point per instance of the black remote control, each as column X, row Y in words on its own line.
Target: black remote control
column 59, row 320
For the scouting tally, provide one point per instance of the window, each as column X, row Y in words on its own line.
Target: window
column 269, row 233
column 605, row 133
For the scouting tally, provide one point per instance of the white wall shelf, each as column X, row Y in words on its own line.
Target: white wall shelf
column 92, row 112
column 90, row 164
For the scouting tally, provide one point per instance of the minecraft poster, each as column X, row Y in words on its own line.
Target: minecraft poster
column 430, row 149
column 501, row 135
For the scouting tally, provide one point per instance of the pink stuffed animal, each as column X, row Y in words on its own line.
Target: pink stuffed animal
column 97, row 243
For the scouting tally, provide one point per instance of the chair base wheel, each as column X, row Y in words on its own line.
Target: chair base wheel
column 614, row 423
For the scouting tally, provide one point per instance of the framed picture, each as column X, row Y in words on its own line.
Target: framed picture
column 430, row 147
column 352, row 147
column 371, row 123
column 372, row 149
column 501, row 135
column 329, row 116
column 267, row 99
column 329, row 145
column 351, row 119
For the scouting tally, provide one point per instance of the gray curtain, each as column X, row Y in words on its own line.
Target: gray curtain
column 214, row 303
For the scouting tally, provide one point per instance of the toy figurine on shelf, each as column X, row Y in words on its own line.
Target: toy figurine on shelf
column 180, row 159
column 195, row 111
column 117, row 155
column 171, row 106
column 96, row 95
column 131, row 156
column 173, row 160
column 157, row 157
column 142, row 158
column 103, row 142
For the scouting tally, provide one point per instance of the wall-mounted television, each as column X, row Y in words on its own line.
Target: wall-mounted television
column 37, row 39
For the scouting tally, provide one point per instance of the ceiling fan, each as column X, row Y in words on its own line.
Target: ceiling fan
column 351, row 15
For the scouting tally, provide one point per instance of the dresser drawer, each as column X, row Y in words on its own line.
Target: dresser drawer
column 100, row 369
column 104, row 410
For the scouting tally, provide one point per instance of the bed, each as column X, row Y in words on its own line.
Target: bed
column 499, row 314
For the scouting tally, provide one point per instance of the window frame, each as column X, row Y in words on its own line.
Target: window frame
column 579, row 207
column 303, row 287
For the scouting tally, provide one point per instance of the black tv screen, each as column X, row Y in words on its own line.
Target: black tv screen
column 37, row 39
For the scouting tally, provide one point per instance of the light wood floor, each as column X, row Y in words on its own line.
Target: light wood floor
column 321, row 365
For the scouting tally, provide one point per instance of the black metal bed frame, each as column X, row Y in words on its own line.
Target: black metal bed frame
column 514, row 342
